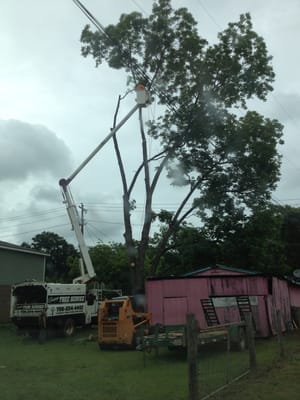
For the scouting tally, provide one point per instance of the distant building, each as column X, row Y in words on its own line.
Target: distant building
column 17, row 264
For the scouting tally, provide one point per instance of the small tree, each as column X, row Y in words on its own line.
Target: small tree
column 62, row 255
column 227, row 164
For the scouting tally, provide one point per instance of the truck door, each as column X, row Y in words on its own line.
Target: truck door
column 175, row 310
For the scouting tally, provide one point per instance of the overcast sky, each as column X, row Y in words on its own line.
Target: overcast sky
column 55, row 107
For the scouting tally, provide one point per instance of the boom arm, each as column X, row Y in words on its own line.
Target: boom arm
column 142, row 100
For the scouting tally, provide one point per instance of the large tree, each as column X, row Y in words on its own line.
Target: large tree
column 254, row 242
column 224, row 155
column 62, row 255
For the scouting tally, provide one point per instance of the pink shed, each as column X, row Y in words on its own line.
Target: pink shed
column 170, row 299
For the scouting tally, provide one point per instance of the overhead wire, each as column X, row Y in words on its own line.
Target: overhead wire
column 209, row 14
column 31, row 222
column 127, row 58
column 35, row 230
column 32, row 214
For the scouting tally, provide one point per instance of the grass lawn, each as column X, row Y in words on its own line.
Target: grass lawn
column 76, row 369
column 275, row 379
column 68, row 369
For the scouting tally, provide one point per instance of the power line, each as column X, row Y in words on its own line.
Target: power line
column 110, row 222
column 130, row 62
column 31, row 222
column 209, row 14
column 24, row 216
column 35, row 230
column 140, row 7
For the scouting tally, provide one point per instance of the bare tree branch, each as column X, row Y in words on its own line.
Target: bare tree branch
column 126, row 203
column 140, row 168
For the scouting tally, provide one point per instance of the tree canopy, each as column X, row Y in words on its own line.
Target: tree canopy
column 222, row 153
column 111, row 265
column 63, row 257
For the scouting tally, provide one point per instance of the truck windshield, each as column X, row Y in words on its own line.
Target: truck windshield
column 30, row 294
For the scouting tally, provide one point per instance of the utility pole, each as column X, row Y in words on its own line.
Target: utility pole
column 82, row 222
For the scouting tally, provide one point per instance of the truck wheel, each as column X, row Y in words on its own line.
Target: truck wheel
column 69, row 327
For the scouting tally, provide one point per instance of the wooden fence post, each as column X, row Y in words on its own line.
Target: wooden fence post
column 279, row 333
column 251, row 342
column 192, row 329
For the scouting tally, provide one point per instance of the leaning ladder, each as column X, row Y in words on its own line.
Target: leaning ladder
column 209, row 312
column 244, row 306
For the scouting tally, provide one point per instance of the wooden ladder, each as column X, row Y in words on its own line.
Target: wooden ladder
column 209, row 312
column 244, row 306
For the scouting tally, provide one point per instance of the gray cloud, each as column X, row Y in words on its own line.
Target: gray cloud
column 46, row 194
column 31, row 150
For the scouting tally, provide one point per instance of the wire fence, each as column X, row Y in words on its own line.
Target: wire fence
column 213, row 366
column 218, row 366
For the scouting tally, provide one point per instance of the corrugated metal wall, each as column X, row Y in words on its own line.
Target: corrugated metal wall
column 16, row 266
column 4, row 303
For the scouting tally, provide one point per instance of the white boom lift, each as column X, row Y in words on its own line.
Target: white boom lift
column 88, row 273
column 39, row 307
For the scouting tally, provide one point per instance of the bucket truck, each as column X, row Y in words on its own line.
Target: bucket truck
column 39, row 306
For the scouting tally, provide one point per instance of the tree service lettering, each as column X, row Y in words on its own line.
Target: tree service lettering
column 65, row 299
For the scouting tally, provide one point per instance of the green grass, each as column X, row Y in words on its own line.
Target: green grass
column 68, row 369
column 217, row 367
column 275, row 379
column 75, row 368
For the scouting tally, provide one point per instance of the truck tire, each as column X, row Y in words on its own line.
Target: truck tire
column 69, row 327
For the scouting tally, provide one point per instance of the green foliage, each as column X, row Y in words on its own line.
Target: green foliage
column 290, row 232
column 243, row 56
column 111, row 265
column 268, row 241
column 62, row 255
column 256, row 243
column 229, row 164
column 189, row 249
